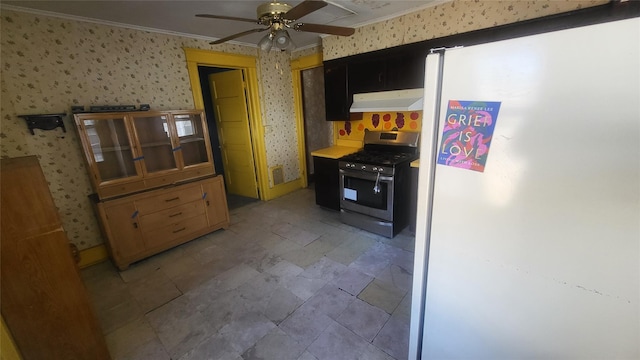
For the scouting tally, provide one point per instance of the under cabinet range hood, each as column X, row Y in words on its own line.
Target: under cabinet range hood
column 397, row 100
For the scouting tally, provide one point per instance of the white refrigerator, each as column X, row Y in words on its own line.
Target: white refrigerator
column 528, row 221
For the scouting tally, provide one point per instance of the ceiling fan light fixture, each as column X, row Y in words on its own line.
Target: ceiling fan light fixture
column 266, row 42
column 276, row 17
column 283, row 41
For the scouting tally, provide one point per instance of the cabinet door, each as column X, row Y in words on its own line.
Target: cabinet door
column 123, row 231
column 336, row 94
column 192, row 138
column 154, row 137
column 367, row 76
column 215, row 202
column 327, row 178
column 405, row 70
column 108, row 147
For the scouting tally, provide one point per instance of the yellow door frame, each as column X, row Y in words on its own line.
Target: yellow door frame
column 197, row 57
column 303, row 63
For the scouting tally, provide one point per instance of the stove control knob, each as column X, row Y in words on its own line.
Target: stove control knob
column 376, row 169
column 380, row 169
column 364, row 167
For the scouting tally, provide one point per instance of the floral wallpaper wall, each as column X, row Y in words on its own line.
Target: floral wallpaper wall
column 49, row 64
column 298, row 53
column 449, row 18
column 278, row 113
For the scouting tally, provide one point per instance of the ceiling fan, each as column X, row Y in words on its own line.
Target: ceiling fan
column 277, row 17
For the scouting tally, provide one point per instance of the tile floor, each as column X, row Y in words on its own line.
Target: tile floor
column 287, row 280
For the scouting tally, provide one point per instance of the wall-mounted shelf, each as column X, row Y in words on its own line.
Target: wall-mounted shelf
column 44, row 121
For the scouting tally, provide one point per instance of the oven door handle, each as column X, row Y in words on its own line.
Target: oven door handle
column 365, row 175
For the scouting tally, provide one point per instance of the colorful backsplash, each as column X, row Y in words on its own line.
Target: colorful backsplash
column 400, row 121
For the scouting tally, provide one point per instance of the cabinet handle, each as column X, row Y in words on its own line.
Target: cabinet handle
column 174, row 215
column 173, row 199
column 181, row 229
column 207, row 202
column 135, row 225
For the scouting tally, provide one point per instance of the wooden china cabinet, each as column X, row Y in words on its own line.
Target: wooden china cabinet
column 154, row 179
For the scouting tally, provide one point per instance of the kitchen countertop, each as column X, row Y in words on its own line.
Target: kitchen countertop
column 335, row 152
column 415, row 163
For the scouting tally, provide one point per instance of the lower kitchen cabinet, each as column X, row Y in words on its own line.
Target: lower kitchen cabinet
column 327, row 182
column 141, row 225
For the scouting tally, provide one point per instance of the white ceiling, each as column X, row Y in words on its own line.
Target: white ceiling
column 177, row 17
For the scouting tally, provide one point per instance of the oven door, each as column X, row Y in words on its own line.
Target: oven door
column 367, row 193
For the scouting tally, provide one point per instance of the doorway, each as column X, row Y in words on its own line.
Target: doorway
column 314, row 132
column 318, row 132
column 225, row 103
column 202, row 65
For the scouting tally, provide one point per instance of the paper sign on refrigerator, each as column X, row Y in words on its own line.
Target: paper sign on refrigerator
column 467, row 133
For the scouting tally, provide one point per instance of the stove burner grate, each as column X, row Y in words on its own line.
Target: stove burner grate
column 379, row 157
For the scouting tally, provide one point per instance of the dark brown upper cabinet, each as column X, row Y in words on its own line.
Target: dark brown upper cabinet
column 389, row 69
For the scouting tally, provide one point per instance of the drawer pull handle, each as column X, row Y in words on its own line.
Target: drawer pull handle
column 135, row 225
column 181, row 229
column 173, row 199
column 174, row 215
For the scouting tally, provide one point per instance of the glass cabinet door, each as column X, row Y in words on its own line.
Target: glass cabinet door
column 154, row 137
column 110, row 147
column 191, row 135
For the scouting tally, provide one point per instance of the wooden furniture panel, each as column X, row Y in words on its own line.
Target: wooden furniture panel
column 174, row 214
column 126, row 216
column 174, row 231
column 169, row 198
column 29, row 211
column 43, row 299
column 111, row 190
column 215, row 200
column 174, row 178
column 144, row 224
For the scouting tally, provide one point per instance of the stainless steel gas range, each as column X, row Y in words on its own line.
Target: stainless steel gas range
column 375, row 182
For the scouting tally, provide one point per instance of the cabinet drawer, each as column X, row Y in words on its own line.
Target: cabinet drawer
column 163, row 180
column 174, row 231
column 107, row 191
column 168, row 199
column 172, row 215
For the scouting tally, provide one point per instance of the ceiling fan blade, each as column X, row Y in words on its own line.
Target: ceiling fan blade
column 231, row 37
column 324, row 29
column 227, row 18
column 304, row 8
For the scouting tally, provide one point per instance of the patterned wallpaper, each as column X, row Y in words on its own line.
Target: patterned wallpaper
column 278, row 113
column 299, row 53
column 445, row 19
column 394, row 121
column 49, row 64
